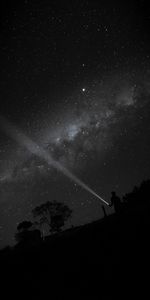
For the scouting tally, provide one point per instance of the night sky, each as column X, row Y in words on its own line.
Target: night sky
column 75, row 78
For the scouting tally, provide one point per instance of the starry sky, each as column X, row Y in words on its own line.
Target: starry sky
column 75, row 78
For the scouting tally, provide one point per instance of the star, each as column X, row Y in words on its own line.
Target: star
column 83, row 90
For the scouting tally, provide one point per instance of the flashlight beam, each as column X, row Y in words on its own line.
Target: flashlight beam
column 39, row 151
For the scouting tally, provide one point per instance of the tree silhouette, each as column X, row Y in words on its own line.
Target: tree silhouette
column 54, row 214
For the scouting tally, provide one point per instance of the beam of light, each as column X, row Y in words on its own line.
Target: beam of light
column 39, row 151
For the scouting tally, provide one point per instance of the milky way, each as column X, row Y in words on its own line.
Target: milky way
column 85, row 130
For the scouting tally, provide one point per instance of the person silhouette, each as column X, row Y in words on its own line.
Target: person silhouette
column 116, row 202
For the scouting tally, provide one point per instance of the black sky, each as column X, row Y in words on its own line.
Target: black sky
column 75, row 77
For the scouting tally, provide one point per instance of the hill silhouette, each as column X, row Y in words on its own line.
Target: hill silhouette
column 102, row 260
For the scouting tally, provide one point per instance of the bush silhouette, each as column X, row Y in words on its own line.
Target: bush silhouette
column 139, row 194
column 25, row 225
column 25, row 235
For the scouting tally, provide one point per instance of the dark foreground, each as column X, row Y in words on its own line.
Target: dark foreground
column 103, row 260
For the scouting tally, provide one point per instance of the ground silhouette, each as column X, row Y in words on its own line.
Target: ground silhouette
column 106, row 259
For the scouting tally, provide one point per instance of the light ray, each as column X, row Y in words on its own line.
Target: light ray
column 39, row 151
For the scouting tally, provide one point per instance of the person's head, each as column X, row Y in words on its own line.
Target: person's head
column 113, row 193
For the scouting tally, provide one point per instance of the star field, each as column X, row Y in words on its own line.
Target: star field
column 75, row 77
